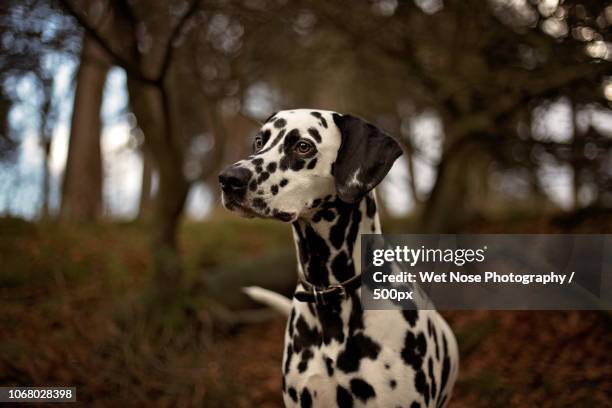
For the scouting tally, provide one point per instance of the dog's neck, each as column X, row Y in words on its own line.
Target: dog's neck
column 327, row 240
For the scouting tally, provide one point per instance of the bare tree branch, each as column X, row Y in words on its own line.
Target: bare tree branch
column 132, row 70
column 169, row 51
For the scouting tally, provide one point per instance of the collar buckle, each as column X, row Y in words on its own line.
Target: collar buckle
column 343, row 295
column 323, row 297
column 319, row 296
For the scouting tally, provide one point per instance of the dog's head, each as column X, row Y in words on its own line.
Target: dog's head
column 302, row 156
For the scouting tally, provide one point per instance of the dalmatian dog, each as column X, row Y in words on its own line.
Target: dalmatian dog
column 317, row 170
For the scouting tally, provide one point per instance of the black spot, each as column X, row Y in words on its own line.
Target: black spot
column 387, row 366
column 319, row 253
column 370, row 206
column 298, row 165
column 392, row 384
column 432, row 379
column 257, row 162
column 315, row 134
column 312, row 164
column 415, row 404
column 323, row 122
column 357, row 348
column 324, row 213
column 316, row 114
column 445, row 365
column 305, row 398
column 361, row 389
column 292, row 137
column 283, row 182
column 316, row 203
column 271, row 167
column 283, row 163
column 414, row 350
column 290, row 322
column 305, row 336
column 342, row 267
column 265, row 136
column 279, row 123
column 259, row 203
column 331, row 323
column 258, row 169
column 253, row 185
column 351, row 237
column 411, row 316
column 274, row 189
column 293, row 394
column 306, row 357
column 288, row 357
column 329, row 364
column 338, row 231
column 356, row 317
column 420, row 384
column 263, row 177
column 302, row 248
column 344, row 399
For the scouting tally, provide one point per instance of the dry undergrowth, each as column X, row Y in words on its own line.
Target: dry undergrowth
column 70, row 304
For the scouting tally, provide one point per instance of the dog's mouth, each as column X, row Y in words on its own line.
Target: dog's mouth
column 244, row 210
column 240, row 208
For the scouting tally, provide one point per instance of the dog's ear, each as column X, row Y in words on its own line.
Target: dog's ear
column 365, row 157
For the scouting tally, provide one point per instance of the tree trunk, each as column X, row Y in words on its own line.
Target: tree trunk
column 152, row 115
column 146, row 201
column 577, row 148
column 408, row 149
column 82, row 187
column 45, row 144
column 44, row 213
column 447, row 205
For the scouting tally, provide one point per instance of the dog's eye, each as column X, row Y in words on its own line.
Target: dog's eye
column 258, row 143
column 303, row 147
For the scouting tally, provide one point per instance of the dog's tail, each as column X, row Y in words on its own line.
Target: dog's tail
column 271, row 299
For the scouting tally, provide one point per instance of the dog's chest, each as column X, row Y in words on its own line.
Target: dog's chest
column 349, row 357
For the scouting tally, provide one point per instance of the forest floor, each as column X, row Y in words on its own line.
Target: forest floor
column 71, row 314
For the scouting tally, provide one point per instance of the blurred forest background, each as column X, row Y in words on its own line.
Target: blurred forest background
column 121, row 275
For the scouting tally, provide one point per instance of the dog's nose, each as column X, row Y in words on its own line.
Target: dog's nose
column 234, row 179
